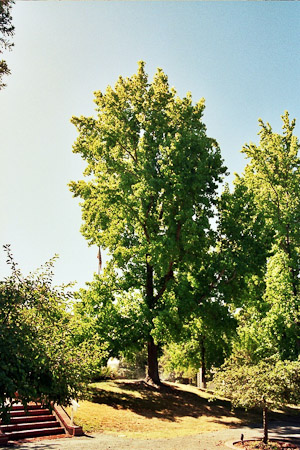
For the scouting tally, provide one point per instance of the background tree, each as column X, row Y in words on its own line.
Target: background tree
column 273, row 328
column 153, row 175
column 260, row 226
column 6, row 31
column 264, row 206
column 259, row 223
column 273, row 176
column 200, row 339
column 40, row 358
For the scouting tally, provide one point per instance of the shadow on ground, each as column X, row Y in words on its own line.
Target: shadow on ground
column 37, row 446
column 168, row 402
column 45, row 443
column 292, row 430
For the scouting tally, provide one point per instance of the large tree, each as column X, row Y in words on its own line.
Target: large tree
column 6, row 31
column 152, row 175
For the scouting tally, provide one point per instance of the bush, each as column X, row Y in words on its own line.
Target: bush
column 40, row 358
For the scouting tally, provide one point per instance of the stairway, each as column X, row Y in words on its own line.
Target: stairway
column 37, row 421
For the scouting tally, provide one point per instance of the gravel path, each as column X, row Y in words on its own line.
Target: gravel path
column 205, row 441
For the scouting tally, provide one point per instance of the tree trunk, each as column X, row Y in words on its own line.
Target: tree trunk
column 152, row 376
column 152, row 373
column 203, row 364
column 265, row 423
column 149, row 284
column 291, row 269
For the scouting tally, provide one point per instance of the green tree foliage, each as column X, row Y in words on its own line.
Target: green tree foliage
column 282, row 319
column 267, row 384
column 177, row 361
column 260, row 230
column 202, row 340
column 6, row 31
column 264, row 207
column 274, row 327
column 39, row 356
column 273, row 176
column 151, row 187
column 244, row 245
column 117, row 317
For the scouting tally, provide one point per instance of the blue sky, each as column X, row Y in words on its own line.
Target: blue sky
column 242, row 57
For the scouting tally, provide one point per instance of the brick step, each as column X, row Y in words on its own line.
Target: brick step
column 30, row 412
column 15, row 435
column 30, row 419
column 29, row 426
column 30, row 406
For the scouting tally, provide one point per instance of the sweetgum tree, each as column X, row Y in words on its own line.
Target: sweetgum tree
column 152, row 175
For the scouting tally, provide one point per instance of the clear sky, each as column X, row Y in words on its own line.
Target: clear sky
column 243, row 57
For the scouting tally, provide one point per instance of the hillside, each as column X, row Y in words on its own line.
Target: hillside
column 134, row 409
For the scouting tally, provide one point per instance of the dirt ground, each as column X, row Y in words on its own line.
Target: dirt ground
column 204, row 441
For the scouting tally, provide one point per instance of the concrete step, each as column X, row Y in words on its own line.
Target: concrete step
column 25, row 434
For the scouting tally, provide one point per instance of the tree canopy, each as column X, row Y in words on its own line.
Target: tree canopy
column 6, row 32
column 259, row 223
column 152, row 178
column 260, row 232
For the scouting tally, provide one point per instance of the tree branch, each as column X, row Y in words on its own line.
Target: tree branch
column 214, row 284
column 169, row 275
column 127, row 151
column 150, row 206
column 178, row 230
column 166, row 279
column 143, row 225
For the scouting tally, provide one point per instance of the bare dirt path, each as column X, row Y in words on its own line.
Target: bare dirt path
column 204, row 441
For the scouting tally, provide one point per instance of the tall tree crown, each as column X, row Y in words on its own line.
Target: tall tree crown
column 263, row 211
column 152, row 171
